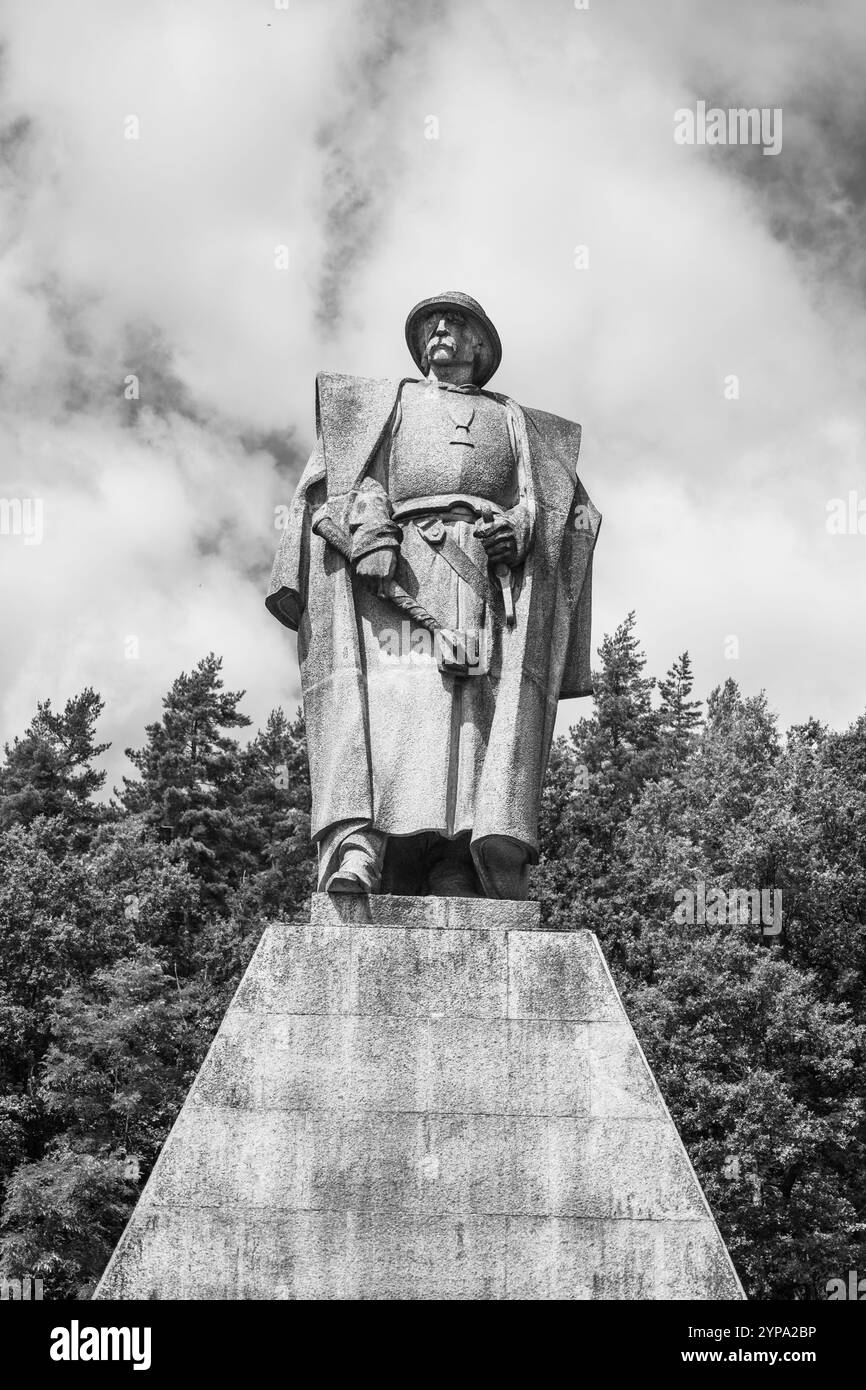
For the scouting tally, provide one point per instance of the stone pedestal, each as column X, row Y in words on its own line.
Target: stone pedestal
column 423, row 1098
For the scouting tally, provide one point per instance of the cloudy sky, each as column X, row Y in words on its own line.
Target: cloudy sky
column 308, row 128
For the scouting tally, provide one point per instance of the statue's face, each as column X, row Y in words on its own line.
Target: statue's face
column 450, row 340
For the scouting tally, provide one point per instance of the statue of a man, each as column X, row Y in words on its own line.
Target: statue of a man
column 437, row 567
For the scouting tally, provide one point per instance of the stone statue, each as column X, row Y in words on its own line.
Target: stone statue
column 436, row 565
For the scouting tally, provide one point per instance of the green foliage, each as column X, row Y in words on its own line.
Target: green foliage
column 62, row 1217
column 757, row 1041
column 125, row 927
column 49, row 771
column 679, row 716
column 122, row 1057
column 124, row 930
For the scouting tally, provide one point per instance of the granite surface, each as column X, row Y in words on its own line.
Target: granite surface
column 423, row 1098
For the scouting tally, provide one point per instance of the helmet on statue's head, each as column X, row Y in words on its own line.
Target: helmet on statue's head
column 454, row 301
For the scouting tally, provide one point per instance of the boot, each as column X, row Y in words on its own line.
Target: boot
column 452, row 872
column 358, row 873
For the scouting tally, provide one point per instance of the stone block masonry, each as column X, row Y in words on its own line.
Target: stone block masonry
column 423, row 1098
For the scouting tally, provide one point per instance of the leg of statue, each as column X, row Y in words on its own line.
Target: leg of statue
column 503, row 866
column 451, row 872
column 350, row 859
column 404, row 870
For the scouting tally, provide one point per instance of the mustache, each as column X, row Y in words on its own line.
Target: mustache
column 441, row 340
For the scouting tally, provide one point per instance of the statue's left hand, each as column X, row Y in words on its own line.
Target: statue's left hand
column 498, row 537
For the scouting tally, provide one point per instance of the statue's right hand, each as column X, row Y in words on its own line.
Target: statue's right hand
column 375, row 569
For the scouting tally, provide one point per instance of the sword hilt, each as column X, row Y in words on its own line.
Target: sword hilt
column 502, row 572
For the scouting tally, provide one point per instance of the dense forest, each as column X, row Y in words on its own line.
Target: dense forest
column 125, row 925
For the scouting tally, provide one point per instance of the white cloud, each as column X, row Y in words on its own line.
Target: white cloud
column 306, row 127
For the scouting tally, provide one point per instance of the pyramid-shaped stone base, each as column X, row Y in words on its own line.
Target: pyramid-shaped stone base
column 423, row 1098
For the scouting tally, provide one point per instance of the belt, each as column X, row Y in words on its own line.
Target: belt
column 444, row 502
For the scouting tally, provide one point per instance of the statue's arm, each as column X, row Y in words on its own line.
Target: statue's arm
column 371, row 520
column 375, row 536
column 521, row 517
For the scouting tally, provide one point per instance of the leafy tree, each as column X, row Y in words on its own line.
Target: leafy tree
column 761, row 1077
column 62, row 1217
column 123, row 1055
column 756, row 1041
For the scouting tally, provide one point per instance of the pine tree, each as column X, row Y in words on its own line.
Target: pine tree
column 623, row 695
column 191, row 784
column 598, row 773
column 123, row 933
column 679, row 717
column 277, row 798
column 49, row 771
